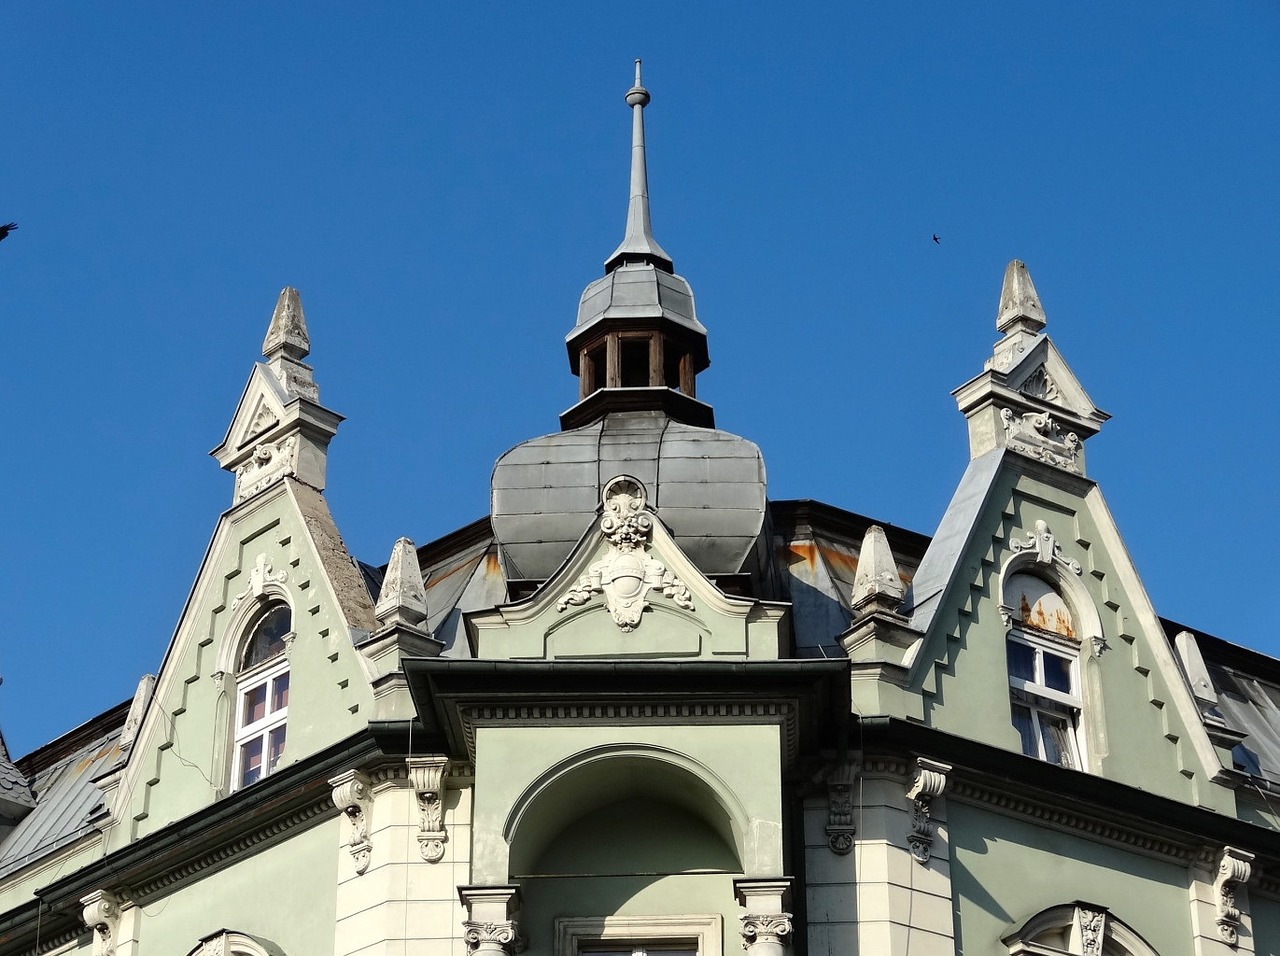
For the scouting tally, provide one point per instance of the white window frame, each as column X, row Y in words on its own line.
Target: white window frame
column 1039, row 698
column 578, row 935
column 264, row 674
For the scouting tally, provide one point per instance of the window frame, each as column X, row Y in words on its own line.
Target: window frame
column 264, row 674
column 592, row 935
column 1039, row 698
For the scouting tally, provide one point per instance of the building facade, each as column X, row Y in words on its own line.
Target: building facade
column 641, row 708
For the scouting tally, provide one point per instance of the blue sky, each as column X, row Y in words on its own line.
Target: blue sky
column 442, row 180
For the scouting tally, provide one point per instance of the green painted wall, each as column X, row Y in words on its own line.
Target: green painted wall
column 285, row 894
column 1134, row 731
column 1004, row 871
column 1265, row 912
column 181, row 761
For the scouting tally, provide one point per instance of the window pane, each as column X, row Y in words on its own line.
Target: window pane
column 275, row 748
column 268, row 636
column 250, row 761
column 280, row 693
column 1026, row 729
column 1057, row 673
column 1056, row 734
column 255, row 705
column 1022, row 660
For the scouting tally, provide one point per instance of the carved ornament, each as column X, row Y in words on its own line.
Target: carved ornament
column 269, row 462
column 627, row 573
column 1093, row 930
column 503, row 937
column 1046, row 547
column 929, row 782
column 260, row 575
column 1234, row 869
column 101, row 914
column 1038, row 435
column 840, row 826
column 426, row 776
column 353, row 795
column 1040, row 384
column 765, row 928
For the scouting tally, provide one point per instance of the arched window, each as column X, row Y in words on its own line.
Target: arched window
column 230, row 943
column 1045, row 701
column 1076, row 929
column 262, row 697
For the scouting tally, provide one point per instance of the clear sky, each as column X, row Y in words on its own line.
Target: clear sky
column 442, row 180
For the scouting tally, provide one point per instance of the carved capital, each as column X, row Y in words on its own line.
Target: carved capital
column 765, row 928
column 101, row 914
column 353, row 795
column 627, row 573
column 426, row 776
column 491, row 937
column 840, row 825
column 930, row 780
column 1234, row 869
column 490, row 927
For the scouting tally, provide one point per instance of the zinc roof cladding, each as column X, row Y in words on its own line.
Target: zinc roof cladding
column 15, row 791
column 66, row 800
column 638, row 290
column 546, row 491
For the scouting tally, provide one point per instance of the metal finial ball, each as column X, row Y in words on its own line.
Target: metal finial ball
column 637, row 96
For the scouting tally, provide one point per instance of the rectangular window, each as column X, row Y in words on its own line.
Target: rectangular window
column 639, row 936
column 1044, row 699
column 262, row 715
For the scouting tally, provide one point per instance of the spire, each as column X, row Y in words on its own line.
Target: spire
column 638, row 244
column 287, row 333
column 877, row 581
column 402, row 599
column 1020, row 307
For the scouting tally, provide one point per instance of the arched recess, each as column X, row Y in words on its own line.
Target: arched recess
column 586, row 786
column 1061, row 581
column 1076, row 929
column 227, row 942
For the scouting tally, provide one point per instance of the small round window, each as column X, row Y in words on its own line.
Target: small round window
column 268, row 636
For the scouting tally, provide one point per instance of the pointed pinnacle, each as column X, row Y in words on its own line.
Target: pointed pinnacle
column 877, row 578
column 638, row 242
column 1019, row 305
column 287, row 333
column 402, row 599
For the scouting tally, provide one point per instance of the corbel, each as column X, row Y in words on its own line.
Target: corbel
column 426, row 776
column 353, row 795
column 840, row 825
column 929, row 782
column 101, row 914
column 1234, row 868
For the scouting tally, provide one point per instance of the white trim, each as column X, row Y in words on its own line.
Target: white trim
column 705, row 933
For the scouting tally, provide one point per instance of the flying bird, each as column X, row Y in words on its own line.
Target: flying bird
column 7, row 228
column 937, row 239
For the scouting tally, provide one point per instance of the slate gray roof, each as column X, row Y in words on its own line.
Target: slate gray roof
column 1248, row 687
column 546, row 491
column 15, row 791
column 66, row 801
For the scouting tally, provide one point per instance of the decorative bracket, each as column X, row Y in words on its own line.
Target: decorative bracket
column 1046, row 547
column 626, row 574
column 353, row 795
column 101, row 914
column 260, row 576
column 1234, row 869
column 840, row 826
column 930, row 781
column 269, row 462
column 426, row 776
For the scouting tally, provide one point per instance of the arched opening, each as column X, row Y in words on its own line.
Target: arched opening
column 262, row 696
column 1076, row 929
column 625, row 811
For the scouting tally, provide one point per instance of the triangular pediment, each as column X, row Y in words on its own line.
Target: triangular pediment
column 261, row 409
column 1043, row 374
column 628, row 590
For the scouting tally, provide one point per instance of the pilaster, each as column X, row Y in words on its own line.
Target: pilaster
column 766, row 924
column 491, row 928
